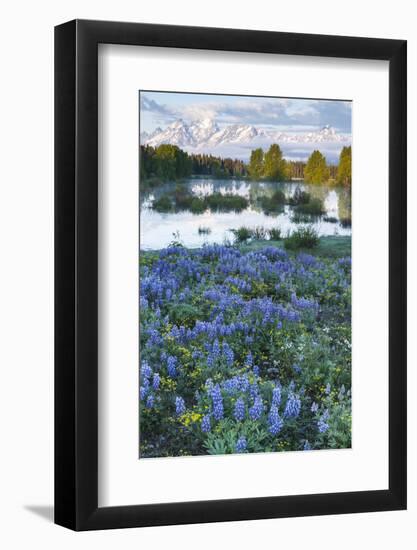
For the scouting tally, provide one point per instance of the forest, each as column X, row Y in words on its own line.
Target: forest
column 170, row 163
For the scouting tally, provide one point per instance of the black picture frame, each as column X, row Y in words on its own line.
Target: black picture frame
column 76, row 272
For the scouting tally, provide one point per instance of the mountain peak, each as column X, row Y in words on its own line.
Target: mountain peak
column 205, row 133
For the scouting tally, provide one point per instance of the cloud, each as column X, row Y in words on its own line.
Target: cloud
column 257, row 111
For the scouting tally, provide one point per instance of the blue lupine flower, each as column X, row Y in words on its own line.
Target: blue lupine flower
column 156, row 381
column 322, row 425
column 172, row 366
column 142, row 392
column 307, row 446
column 275, row 421
column 179, row 406
column 327, row 390
column 239, row 412
column 216, row 396
column 206, row 423
column 255, row 412
column 293, row 406
column 146, row 370
column 314, row 407
column 276, row 395
column 256, row 370
column 249, row 359
column 241, row 444
column 150, row 401
column 228, row 354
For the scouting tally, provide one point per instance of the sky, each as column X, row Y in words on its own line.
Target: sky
column 159, row 109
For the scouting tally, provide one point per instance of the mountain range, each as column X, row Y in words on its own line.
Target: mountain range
column 207, row 134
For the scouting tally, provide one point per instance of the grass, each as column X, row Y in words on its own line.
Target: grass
column 332, row 246
column 182, row 199
column 163, row 204
column 242, row 234
column 314, row 207
column 297, row 217
column 275, row 234
column 226, row 203
column 299, row 197
column 305, row 237
column 275, row 203
column 259, row 233
column 198, row 205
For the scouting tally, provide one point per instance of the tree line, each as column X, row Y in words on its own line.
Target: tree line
column 169, row 162
column 271, row 165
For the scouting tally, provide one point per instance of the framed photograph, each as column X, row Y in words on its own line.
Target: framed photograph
column 230, row 247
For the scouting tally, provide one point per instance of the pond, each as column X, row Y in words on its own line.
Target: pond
column 159, row 229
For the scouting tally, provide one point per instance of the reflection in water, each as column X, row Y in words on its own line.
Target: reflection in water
column 157, row 229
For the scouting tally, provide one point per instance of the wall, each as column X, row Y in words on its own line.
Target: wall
column 26, row 210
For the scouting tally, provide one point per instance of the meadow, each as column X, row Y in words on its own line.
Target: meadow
column 245, row 348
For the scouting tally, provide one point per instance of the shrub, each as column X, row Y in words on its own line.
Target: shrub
column 274, row 203
column 297, row 217
column 314, row 207
column 259, row 233
column 163, row 204
column 183, row 197
column 305, row 237
column 197, row 205
column 242, row 234
column 226, row 202
column 299, row 197
column 275, row 234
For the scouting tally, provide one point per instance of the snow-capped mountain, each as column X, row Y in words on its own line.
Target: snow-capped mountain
column 206, row 133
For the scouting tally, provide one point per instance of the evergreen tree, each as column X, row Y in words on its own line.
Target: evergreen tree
column 275, row 166
column 344, row 172
column 316, row 170
column 256, row 164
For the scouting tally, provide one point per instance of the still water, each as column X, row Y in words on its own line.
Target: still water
column 158, row 230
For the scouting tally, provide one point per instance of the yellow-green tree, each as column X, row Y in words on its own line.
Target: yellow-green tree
column 256, row 164
column 275, row 166
column 344, row 171
column 316, row 170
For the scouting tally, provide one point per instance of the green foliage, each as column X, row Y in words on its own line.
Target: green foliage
column 273, row 204
column 314, row 207
column 242, row 234
column 275, row 167
column 164, row 163
column 275, row 234
column 259, row 233
column 217, row 167
column 299, row 197
column 304, row 237
column 223, row 440
column 256, row 164
column 344, row 171
column 316, row 170
column 163, row 204
column 198, row 205
column 226, row 202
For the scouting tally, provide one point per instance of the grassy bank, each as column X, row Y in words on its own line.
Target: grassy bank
column 328, row 247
